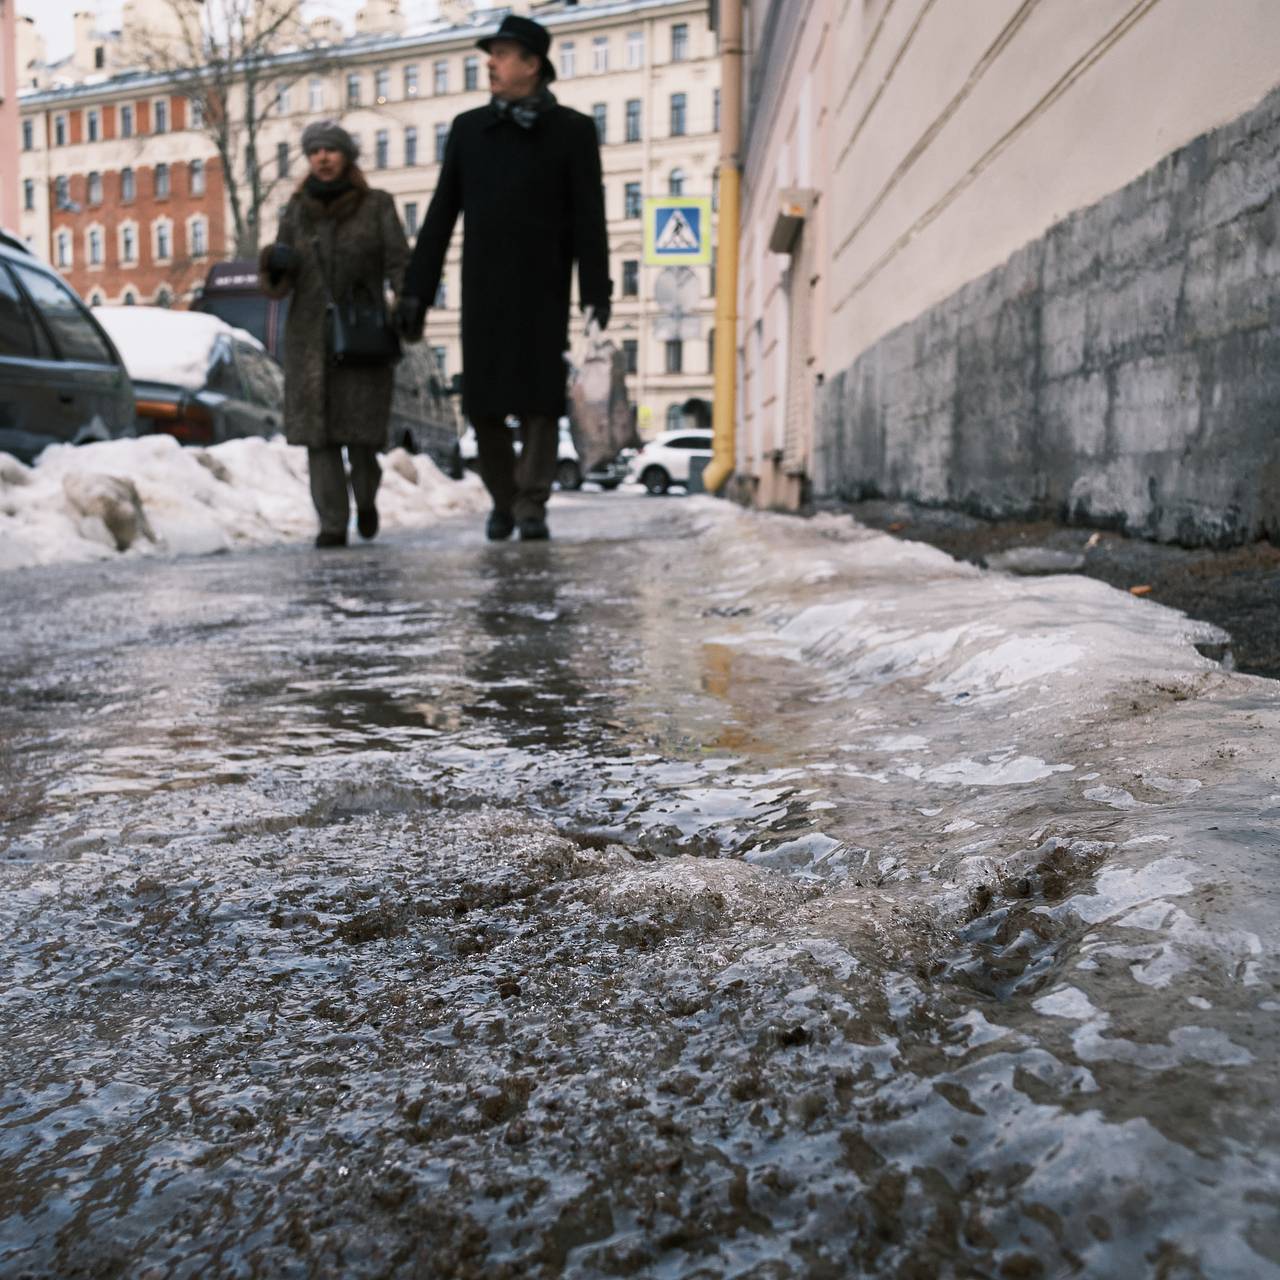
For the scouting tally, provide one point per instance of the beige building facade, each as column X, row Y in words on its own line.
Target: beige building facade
column 956, row 164
column 9, row 62
column 646, row 70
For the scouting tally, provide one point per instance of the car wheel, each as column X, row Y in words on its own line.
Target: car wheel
column 655, row 480
column 568, row 474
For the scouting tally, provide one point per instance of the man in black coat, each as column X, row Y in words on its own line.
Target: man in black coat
column 525, row 173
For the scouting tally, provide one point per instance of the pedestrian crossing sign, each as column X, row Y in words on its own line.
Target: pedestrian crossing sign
column 677, row 229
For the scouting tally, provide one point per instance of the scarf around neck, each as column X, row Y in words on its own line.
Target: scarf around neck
column 327, row 191
column 525, row 111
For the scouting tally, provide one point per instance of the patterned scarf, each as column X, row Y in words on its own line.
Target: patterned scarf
column 525, row 111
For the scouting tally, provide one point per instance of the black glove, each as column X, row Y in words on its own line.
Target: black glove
column 602, row 311
column 411, row 317
column 281, row 260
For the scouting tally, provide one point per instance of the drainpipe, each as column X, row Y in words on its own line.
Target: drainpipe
column 724, row 422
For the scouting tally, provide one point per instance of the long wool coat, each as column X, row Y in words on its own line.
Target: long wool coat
column 532, row 203
column 356, row 244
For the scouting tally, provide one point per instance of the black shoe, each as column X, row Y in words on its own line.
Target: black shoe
column 331, row 539
column 499, row 526
column 534, row 529
column 367, row 522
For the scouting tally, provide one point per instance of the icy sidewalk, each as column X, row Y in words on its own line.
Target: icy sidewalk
column 152, row 496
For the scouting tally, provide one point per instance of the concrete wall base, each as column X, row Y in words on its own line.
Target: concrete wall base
column 1121, row 371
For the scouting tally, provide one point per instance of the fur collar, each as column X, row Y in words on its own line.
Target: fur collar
column 340, row 209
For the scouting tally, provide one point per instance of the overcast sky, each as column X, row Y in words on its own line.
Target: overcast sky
column 53, row 17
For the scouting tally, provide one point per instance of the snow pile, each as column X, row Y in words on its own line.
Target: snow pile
column 173, row 347
column 152, row 496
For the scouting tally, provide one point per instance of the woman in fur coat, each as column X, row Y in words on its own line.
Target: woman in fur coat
column 338, row 239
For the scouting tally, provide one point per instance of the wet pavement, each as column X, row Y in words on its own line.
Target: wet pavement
column 697, row 895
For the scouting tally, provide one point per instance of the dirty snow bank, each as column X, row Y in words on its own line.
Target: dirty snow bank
column 151, row 496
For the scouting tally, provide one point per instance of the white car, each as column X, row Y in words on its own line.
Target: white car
column 668, row 459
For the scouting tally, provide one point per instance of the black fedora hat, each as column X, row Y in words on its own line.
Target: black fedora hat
column 533, row 35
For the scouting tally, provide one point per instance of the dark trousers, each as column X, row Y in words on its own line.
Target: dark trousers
column 521, row 485
column 329, row 483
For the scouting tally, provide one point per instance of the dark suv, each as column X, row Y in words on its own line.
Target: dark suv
column 61, row 379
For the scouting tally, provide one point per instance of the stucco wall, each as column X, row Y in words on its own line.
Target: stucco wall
column 1121, row 369
column 966, row 130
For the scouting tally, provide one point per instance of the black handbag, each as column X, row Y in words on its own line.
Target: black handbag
column 358, row 331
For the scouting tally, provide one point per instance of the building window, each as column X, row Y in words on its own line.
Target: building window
column 381, row 149
column 130, row 298
column 128, row 185
column 315, row 94
column 61, row 192
column 96, row 298
column 126, row 122
column 95, row 246
column 567, row 60
column 411, row 218
column 442, row 138
column 196, row 177
column 631, row 278
column 442, row 293
column 128, row 243
column 600, row 54
column 471, row 74
column 99, row 57
column 411, row 80
column 199, row 237
column 195, row 113
column 675, row 183
column 282, row 100
column 631, row 200
column 163, row 241
column 160, row 116
column 675, row 417
column 600, row 114
column 631, row 353
column 62, row 248
column 28, row 136
column 162, row 181
column 93, row 126
column 633, row 119
column 28, row 194
column 164, row 296
column 675, row 355
column 680, row 42
column 635, row 49
column 440, row 73
column 282, row 159
column 410, row 146
column 678, row 115
column 353, row 89
column 59, row 131
column 440, row 357
column 95, row 188
column 382, row 84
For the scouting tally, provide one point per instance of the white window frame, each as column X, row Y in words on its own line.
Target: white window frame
column 92, row 230
column 160, row 108
column 195, row 167
column 382, row 85
column 127, row 112
column 599, row 55
column 411, row 80
column 63, row 249
column 93, row 125
column 195, row 113
column 124, row 229
column 635, row 50
column 440, row 77
column 133, row 180
column 61, row 129
column 129, row 298
column 315, row 94
column 159, row 225
column 198, row 230
column 567, row 60
column 93, row 176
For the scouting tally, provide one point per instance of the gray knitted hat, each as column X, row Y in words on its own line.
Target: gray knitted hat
column 329, row 135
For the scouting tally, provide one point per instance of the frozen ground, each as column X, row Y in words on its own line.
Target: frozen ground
column 152, row 496
column 700, row 894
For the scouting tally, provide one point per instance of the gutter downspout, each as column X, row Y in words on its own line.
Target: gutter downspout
column 724, row 421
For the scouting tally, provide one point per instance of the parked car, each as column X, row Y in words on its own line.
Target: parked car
column 569, row 472
column 195, row 377
column 62, row 381
column 670, row 459
column 424, row 417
